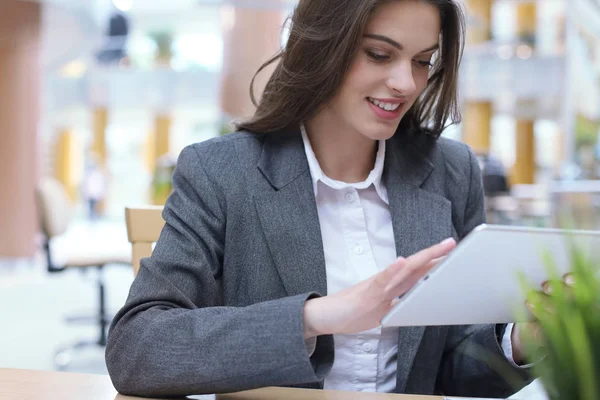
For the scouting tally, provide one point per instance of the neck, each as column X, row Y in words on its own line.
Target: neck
column 345, row 156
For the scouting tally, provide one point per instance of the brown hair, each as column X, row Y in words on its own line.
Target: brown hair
column 324, row 38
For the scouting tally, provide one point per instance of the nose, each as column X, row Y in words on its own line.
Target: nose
column 401, row 79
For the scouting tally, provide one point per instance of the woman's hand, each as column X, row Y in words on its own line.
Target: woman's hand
column 532, row 330
column 362, row 306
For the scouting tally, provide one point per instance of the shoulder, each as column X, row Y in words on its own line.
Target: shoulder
column 457, row 155
column 456, row 166
column 221, row 154
column 457, row 159
column 462, row 173
column 227, row 144
column 452, row 156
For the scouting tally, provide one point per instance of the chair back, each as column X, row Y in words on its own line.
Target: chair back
column 144, row 225
column 55, row 207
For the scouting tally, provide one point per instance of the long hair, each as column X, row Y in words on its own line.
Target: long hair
column 324, row 38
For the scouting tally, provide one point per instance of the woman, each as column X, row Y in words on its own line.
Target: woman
column 286, row 235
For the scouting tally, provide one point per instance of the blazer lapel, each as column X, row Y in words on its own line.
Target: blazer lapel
column 288, row 214
column 419, row 219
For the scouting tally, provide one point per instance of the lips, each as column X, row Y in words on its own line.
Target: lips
column 386, row 109
column 385, row 105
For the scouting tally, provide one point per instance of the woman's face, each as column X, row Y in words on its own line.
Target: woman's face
column 390, row 70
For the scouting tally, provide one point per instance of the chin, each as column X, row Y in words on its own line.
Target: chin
column 379, row 131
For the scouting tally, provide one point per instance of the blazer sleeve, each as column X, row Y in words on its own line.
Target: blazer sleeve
column 173, row 337
column 466, row 368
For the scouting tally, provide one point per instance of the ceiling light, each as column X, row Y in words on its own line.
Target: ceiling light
column 123, row 5
column 524, row 52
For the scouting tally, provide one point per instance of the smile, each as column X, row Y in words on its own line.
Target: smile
column 387, row 109
column 383, row 105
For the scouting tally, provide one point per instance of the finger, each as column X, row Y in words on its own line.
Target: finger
column 405, row 280
column 436, row 261
column 414, row 268
column 567, row 283
column 412, row 271
column 383, row 278
column 536, row 310
column 530, row 331
column 539, row 304
column 391, row 305
column 436, row 251
column 547, row 287
column 569, row 279
column 407, row 277
column 532, row 310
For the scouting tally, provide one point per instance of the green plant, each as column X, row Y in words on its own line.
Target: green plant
column 225, row 125
column 164, row 45
column 586, row 131
column 569, row 330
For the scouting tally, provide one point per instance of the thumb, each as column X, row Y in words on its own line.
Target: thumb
column 391, row 305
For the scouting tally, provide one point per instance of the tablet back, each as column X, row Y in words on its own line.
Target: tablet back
column 478, row 283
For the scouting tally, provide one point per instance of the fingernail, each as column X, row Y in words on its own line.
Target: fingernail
column 569, row 279
column 448, row 241
column 547, row 287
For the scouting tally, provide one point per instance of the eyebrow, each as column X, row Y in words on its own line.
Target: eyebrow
column 396, row 44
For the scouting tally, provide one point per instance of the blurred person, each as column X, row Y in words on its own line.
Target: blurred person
column 94, row 186
column 495, row 180
column 287, row 241
column 495, row 188
column 116, row 35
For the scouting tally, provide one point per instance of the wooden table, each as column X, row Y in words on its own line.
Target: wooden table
column 19, row 384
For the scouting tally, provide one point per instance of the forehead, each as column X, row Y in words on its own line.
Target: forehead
column 414, row 24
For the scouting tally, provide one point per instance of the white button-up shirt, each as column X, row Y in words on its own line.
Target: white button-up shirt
column 358, row 242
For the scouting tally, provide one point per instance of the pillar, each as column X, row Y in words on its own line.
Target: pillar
column 251, row 37
column 477, row 125
column 20, row 85
column 480, row 12
column 477, row 115
column 162, row 135
column 100, row 123
column 98, row 148
column 524, row 168
column 526, row 14
column 65, row 162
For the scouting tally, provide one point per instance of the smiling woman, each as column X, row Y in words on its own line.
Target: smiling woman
column 287, row 242
column 325, row 40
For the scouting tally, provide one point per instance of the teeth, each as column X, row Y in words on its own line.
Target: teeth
column 384, row 106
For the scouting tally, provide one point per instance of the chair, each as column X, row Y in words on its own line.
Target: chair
column 55, row 212
column 144, row 225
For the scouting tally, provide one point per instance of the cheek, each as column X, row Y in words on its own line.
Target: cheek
column 421, row 78
column 360, row 76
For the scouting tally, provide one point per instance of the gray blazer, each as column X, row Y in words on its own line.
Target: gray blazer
column 218, row 306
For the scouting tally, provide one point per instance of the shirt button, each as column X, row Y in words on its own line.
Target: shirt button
column 359, row 250
column 367, row 347
column 349, row 197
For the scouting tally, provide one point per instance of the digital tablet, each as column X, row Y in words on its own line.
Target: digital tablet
column 478, row 283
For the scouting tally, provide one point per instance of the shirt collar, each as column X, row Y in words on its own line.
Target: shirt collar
column 318, row 175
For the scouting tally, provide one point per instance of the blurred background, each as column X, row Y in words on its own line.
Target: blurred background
column 98, row 97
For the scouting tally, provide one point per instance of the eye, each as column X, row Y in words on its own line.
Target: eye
column 376, row 56
column 423, row 63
